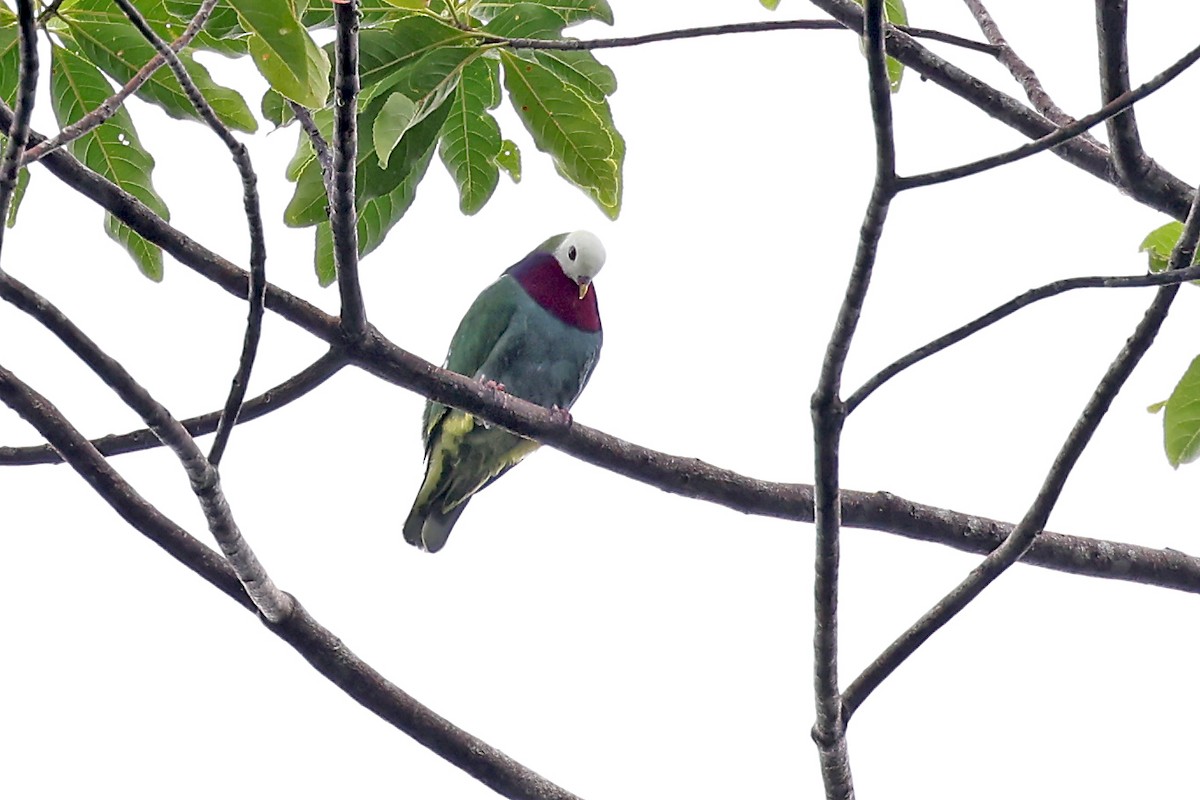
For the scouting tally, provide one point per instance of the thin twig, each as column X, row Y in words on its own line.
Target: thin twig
column 828, row 415
column 106, row 109
column 1016, row 304
column 324, row 651
column 205, row 481
column 722, row 30
column 18, row 138
column 1111, row 110
column 319, row 145
column 258, row 248
column 1020, row 70
column 343, row 217
column 1027, row 530
column 271, row 400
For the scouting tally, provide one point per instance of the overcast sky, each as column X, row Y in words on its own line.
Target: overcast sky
column 623, row 642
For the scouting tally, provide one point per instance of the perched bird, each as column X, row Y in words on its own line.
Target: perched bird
column 534, row 333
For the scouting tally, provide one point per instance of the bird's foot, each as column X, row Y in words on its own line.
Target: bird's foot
column 561, row 415
column 493, row 385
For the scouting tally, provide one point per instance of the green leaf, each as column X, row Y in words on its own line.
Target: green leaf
column 375, row 180
column 376, row 217
column 471, row 137
column 386, row 54
column 581, row 70
column 572, row 12
column 102, row 35
column 275, row 108
column 577, row 133
column 112, row 149
column 308, row 204
column 526, row 21
column 1159, row 243
column 17, row 195
column 1181, row 420
column 10, row 57
column 395, row 118
column 770, row 5
column 284, row 52
column 509, row 159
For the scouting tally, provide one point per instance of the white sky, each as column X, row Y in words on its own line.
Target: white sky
column 621, row 641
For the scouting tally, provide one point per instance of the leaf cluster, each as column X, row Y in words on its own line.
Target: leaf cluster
column 432, row 73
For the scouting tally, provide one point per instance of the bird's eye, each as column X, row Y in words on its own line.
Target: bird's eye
column 572, row 253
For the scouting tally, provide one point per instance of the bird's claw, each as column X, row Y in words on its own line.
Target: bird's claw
column 493, row 385
column 561, row 415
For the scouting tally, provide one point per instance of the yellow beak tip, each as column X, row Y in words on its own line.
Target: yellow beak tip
column 583, row 290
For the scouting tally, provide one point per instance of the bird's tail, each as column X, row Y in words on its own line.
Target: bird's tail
column 428, row 528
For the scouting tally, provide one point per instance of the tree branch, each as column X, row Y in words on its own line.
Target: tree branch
column 1021, row 71
column 258, row 247
column 273, row 399
column 203, row 477
column 829, row 416
column 1026, row 532
column 1167, row 193
column 683, row 476
column 1109, row 111
column 1130, row 160
column 106, row 109
column 324, row 651
column 723, row 30
column 1012, row 306
column 18, row 129
column 343, row 218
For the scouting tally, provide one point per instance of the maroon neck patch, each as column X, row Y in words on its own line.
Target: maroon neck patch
column 543, row 280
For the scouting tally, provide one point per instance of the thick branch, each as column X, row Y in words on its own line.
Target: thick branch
column 273, row 399
column 1130, row 159
column 319, row 646
column 343, row 218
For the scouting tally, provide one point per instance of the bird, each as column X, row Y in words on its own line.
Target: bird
column 534, row 333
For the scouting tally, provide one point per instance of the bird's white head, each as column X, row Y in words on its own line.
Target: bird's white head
column 581, row 255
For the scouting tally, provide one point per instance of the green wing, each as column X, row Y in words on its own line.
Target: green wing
column 482, row 326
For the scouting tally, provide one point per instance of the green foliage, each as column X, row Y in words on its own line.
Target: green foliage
column 430, row 74
column 1181, row 418
column 471, row 142
column 97, row 31
column 571, row 12
column 284, row 52
column 1159, row 243
column 112, row 149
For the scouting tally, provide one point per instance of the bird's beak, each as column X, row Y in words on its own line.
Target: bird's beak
column 583, row 289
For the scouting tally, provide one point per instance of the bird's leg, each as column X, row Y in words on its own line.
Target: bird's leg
column 561, row 415
column 493, row 385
